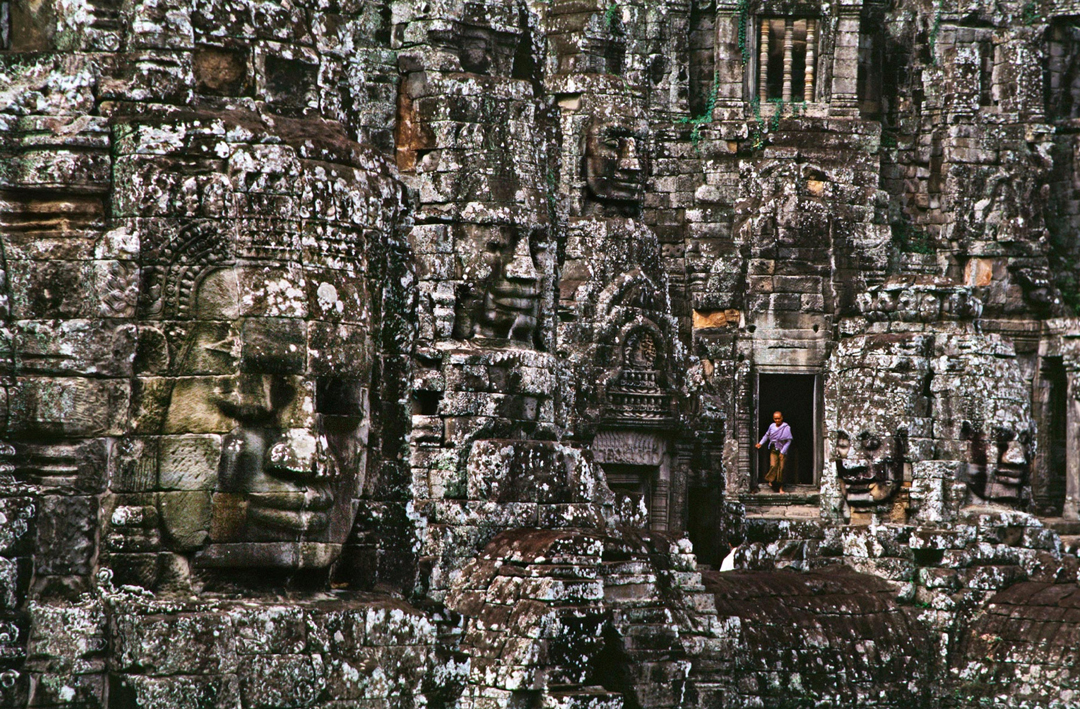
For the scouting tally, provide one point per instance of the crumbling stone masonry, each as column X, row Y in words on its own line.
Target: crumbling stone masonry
column 387, row 353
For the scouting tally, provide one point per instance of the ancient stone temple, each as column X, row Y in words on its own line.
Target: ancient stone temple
column 391, row 354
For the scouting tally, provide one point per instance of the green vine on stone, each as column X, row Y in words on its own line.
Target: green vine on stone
column 911, row 238
column 935, row 29
column 1030, row 13
column 774, row 125
column 609, row 15
column 742, row 10
column 757, row 133
column 706, row 115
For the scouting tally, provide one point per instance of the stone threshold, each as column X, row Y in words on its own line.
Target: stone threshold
column 801, row 502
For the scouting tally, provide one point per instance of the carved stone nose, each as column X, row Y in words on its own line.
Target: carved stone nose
column 521, row 267
column 628, row 158
column 1014, row 454
column 293, row 456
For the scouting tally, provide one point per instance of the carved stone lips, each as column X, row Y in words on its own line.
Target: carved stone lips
column 514, row 297
column 303, row 510
column 858, row 474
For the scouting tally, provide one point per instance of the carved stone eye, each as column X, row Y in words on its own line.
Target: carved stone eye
column 1003, row 435
column 339, row 396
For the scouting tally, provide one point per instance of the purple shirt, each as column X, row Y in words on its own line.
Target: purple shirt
column 778, row 437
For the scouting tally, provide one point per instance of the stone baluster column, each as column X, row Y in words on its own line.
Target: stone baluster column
column 763, row 62
column 789, row 41
column 811, row 40
column 658, row 509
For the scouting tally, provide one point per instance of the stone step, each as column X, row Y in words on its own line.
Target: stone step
column 1064, row 527
column 581, row 698
column 797, row 496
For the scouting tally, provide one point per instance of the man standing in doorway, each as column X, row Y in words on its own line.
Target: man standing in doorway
column 778, row 438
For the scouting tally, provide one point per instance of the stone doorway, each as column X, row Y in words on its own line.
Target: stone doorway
column 637, row 469
column 797, row 397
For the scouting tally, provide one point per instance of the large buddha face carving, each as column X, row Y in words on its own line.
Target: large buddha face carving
column 870, row 465
column 877, row 391
column 999, row 461
column 255, row 421
column 501, row 298
column 615, row 152
column 985, row 417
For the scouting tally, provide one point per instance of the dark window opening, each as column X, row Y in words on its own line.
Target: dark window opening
column 986, row 72
column 524, row 66
column 1049, row 492
column 426, row 403
column 704, row 525
column 1061, row 73
column 870, row 78
column 796, row 397
column 633, row 483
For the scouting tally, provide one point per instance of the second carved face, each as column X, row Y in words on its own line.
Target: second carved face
column 501, row 298
column 615, row 154
column 999, row 462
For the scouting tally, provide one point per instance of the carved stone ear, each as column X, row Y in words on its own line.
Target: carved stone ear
column 902, row 440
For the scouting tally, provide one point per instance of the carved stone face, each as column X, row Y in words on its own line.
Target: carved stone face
column 614, row 160
column 1000, row 462
column 481, row 48
column 984, row 418
column 285, row 449
column 871, row 466
column 878, row 409
column 503, row 298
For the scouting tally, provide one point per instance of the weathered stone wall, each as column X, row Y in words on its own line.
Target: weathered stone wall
column 825, row 637
column 400, row 353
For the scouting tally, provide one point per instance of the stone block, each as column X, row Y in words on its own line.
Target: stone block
column 159, row 645
column 16, row 522
column 281, row 681
column 86, row 691
column 66, row 639
column 188, row 462
column 273, row 630
column 66, row 535
column 178, row 692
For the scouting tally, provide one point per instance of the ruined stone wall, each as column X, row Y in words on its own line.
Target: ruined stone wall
column 414, row 353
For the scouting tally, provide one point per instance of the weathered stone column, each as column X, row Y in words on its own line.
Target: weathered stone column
column 728, row 60
column 763, row 62
column 811, row 40
column 789, row 40
column 846, row 61
column 1071, row 353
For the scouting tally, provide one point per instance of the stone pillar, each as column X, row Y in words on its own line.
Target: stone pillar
column 789, row 40
column 763, row 62
column 844, row 101
column 811, row 40
column 1072, row 436
column 728, row 60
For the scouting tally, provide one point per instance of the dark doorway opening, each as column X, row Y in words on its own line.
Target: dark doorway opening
column 796, row 397
column 1049, row 488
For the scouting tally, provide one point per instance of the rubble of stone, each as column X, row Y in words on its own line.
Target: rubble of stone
column 414, row 354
